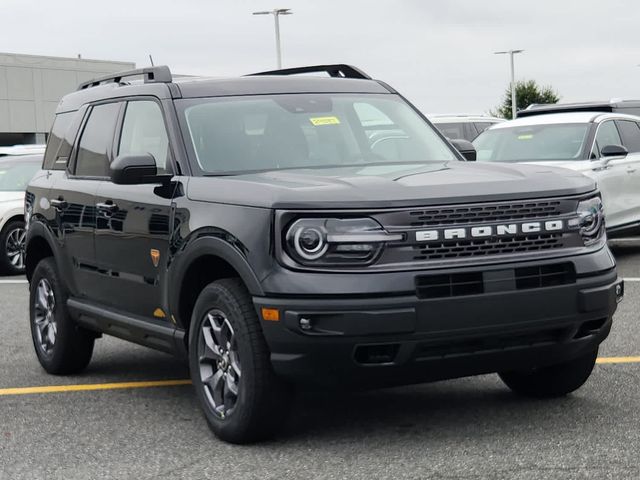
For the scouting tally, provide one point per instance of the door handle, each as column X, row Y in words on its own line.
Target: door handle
column 631, row 170
column 107, row 208
column 58, row 203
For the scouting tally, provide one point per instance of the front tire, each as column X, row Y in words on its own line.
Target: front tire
column 13, row 248
column 553, row 381
column 241, row 397
column 62, row 347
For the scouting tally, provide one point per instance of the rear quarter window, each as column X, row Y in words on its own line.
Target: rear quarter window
column 60, row 141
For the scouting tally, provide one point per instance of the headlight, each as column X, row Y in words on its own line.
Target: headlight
column 336, row 241
column 590, row 219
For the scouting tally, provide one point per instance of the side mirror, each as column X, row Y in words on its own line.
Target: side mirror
column 134, row 169
column 466, row 148
column 609, row 151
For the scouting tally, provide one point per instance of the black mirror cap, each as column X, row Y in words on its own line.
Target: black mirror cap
column 465, row 147
column 134, row 169
column 613, row 151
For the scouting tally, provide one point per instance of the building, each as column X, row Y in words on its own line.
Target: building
column 32, row 85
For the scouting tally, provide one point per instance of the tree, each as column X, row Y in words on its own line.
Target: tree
column 527, row 93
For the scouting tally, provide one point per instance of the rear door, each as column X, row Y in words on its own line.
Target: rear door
column 72, row 196
column 630, row 133
column 133, row 221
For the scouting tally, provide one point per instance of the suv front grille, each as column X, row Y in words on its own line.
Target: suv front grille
column 479, row 248
column 464, row 217
column 484, row 213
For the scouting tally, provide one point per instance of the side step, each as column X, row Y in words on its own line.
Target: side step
column 134, row 329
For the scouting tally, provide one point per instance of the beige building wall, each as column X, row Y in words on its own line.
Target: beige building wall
column 31, row 86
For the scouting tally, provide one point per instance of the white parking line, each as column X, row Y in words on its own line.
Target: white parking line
column 631, row 279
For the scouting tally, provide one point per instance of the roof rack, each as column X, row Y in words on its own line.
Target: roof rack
column 159, row 74
column 335, row 70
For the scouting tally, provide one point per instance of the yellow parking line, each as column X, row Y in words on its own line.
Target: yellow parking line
column 618, row 360
column 96, row 386
column 175, row 383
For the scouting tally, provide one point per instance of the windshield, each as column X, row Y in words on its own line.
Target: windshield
column 16, row 174
column 533, row 143
column 270, row 132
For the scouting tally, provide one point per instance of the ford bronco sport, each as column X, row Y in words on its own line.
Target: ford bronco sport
column 279, row 230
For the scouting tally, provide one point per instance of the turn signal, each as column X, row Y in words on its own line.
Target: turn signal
column 270, row 314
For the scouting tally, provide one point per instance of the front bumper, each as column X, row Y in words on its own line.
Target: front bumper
column 381, row 340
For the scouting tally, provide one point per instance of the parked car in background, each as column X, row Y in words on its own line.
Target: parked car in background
column 603, row 146
column 615, row 105
column 463, row 126
column 13, row 150
column 15, row 174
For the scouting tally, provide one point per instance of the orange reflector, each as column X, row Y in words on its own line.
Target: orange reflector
column 159, row 313
column 271, row 314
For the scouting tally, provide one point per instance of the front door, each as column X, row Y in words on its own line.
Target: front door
column 133, row 221
column 630, row 133
column 611, row 175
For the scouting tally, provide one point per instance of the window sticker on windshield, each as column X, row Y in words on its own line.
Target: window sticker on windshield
column 317, row 121
column 528, row 136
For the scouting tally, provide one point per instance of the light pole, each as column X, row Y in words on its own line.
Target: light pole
column 276, row 16
column 511, row 53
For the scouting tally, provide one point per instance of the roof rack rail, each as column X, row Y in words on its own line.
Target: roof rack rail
column 335, row 70
column 158, row 74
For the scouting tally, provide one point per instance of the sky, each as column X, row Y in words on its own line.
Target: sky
column 438, row 54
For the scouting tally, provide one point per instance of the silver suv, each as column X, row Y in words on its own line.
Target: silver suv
column 603, row 146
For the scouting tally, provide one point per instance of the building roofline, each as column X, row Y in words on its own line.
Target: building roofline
column 50, row 57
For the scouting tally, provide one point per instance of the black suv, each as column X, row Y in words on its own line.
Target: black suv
column 282, row 229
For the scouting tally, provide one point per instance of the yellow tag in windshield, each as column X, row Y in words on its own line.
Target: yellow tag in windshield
column 317, row 121
column 525, row 137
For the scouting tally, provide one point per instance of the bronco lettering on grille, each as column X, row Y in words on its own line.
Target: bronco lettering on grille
column 484, row 231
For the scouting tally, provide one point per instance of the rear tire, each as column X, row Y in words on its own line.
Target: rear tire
column 13, row 248
column 240, row 395
column 62, row 346
column 553, row 381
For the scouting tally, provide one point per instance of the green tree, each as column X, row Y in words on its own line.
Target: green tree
column 527, row 93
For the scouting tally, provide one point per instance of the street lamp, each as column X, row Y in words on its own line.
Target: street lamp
column 511, row 53
column 276, row 14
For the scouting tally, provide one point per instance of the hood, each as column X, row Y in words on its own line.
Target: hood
column 11, row 196
column 397, row 185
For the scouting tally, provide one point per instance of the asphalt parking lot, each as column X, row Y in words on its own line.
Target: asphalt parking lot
column 469, row 428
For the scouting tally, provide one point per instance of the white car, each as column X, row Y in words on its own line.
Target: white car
column 603, row 146
column 15, row 173
column 35, row 149
column 463, row 126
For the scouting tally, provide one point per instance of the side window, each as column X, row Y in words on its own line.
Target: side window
column 630, row 134
column 607, row 135
column 143, row 131
column 451, row 130
column 57, row 136
column 482, row 126
column 95, row 142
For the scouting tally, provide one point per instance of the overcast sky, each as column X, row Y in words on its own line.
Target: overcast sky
column 439, row 54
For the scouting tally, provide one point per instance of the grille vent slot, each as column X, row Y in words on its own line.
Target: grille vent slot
column 493, row 246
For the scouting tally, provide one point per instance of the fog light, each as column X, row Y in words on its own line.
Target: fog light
column 305, row 323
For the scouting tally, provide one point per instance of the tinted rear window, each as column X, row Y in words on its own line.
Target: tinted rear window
column 57, row 136
column 451, row 130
